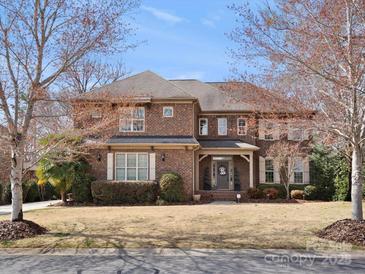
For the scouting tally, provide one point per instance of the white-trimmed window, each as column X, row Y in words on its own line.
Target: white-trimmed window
column 131, row 166
column 241, row 126
column 132, row 119
column 269, row 131
column 296, row 134
column 298, row 171
column 96, row 115
column 168, row 112
column 269, row 171
column 222, row 126
column 203, row 126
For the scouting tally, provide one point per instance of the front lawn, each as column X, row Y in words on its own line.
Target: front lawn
column 200, row 226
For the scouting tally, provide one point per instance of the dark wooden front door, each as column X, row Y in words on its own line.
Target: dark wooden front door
column 223, row 175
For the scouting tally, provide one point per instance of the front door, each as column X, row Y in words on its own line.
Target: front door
column 223, row 175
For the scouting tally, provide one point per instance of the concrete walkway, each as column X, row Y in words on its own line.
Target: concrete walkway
column 6, row 209
column 177, row 261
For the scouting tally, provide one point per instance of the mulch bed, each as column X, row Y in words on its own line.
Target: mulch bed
column 347, row 230
column 19, row 230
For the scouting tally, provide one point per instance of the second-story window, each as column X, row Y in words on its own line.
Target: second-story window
column 132, row 119
column 269, row 135
column 203, row 126
column 168, row 112
column 96, row 115
column 241, row 126
column 222, row 126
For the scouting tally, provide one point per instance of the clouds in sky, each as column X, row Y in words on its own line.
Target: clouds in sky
column 163, row 15
column 210, row 21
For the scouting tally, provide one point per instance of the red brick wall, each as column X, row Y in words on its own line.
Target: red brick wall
column 231, row 128
column 179, row 161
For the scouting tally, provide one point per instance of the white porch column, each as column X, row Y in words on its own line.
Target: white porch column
column 251, row 169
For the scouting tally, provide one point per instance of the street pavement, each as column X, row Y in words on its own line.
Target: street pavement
column 177, row 261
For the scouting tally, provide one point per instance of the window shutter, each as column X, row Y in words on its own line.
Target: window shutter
column 276, row 172
column 109, row 166
column 261, row 130
column 306, row 174
column 290, row 133
column 262, row 170
column 152, row 166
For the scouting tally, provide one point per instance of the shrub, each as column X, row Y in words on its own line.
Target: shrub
column 116, row 192
column 30, row 191
column 297, row 194
column 49, row 192
column 171, row 187
column 81, row 188
column 311, row 192
column 271, row 193
column 281, row 188
column 255, row 193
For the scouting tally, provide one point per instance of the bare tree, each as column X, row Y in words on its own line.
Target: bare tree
column 40, row 41
column 315, row 51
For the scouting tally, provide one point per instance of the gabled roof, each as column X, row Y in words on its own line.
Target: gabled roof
column 146, row 84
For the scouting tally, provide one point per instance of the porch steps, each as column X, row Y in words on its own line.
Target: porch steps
column 220, row 195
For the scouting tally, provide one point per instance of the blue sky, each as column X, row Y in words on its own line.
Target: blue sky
column 184, row 39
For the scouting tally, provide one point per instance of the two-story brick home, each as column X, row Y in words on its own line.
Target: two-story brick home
column 192, row 128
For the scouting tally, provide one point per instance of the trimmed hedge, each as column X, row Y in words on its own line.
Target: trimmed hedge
column 255, row 193
column 297, row 194
column 281, row 188
column 117, row 192
column 171, row 187
column 81, row 188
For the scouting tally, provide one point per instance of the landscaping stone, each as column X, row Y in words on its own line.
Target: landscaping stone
column 347, row 230
column 19, row 230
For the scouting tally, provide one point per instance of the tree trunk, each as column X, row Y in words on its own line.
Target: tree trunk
column 16, row 174
column 63, row 196
column 349, row 176
column 357, row 184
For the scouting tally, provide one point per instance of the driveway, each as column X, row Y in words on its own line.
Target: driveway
column 6, row 209
column 177, row 261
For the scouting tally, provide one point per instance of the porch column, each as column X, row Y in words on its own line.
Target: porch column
column 196, row 186
column 251, row 169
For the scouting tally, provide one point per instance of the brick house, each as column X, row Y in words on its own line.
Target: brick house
column 193, row 128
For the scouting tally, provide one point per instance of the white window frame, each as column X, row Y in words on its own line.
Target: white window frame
column 273, row 171
column 240, row 127
column 300, row 171
column 126, row 166
column 292, row 135
column 218, row 127
column 96, row 115
column 172, row 111
column 131, row 120
column 207, row 125
column 271, row 131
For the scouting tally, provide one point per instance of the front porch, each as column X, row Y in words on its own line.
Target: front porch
column 224, row 168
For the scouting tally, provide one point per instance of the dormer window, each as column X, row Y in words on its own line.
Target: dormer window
column 132, row 119
column 168, row 112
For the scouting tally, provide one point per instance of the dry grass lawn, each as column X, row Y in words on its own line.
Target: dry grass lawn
column 198, row 226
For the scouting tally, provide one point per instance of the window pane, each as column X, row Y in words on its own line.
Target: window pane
column 241, row 122
column 298, row 177
column 142, row 160
column 298, row 165
column 222, row 126
column 138, row 113
column 269, row 165
column 138, row 125
column 131, row 160
column 203, row 127
column 125, row 125
column 120, row 174
column 269, row 176
column 120, row 160
column 131, row 174
column 142, row 174
column 167, row 111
